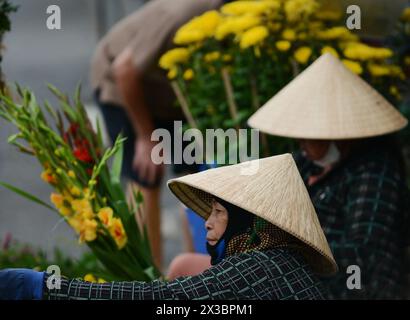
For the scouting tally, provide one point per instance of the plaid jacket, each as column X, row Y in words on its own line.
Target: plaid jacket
column 361, row 208
column 273, row 274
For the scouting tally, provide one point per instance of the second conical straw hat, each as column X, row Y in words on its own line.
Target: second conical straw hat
column 275, row 192
column 327, row 101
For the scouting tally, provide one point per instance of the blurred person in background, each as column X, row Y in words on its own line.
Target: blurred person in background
column 135, row 97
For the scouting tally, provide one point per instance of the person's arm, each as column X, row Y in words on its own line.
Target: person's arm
column 129, row 82
column 372, row 224
column 234, row 278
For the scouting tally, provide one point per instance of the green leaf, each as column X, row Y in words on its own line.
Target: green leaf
column 117, row 163
column 27, row 195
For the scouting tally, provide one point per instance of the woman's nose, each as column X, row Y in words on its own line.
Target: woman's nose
column 208, row 224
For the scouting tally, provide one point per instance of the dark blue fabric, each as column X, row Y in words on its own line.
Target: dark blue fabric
column 21, row 284
column 217, row 251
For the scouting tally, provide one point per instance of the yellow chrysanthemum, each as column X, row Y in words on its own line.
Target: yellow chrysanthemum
column 353, row 66
column 239, row 8
column 236, row 25
column 174, row 57
column 289, row 34
column 303, row 54
column 378, row 70
column 283, row 45
column 188, row 74
column 334, row 33
column 328, row 15
column 106, row 215
column 296, row 9
column 361, row 51
column 406, row 15
column 198, row 29
column 172, row 74
column 332, row 51
column 212, row 56
column 253, row 36
column 118, row 233
column 394, row 91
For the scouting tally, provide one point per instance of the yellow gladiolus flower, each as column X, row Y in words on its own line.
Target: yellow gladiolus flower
column 118, row 233
column 48, row 176
column 65, row 211
column 188, row 74
column 289, row 34
column 353, row 66
column 75, row 191
column 303, row 54
column 330, row 50
column 283, row 45
column 105, row 215
column 81, row 205
column 57, row 200
column 88, row 231
column 253, row 36
column 75, row 222
column 90, row 278
column 173, row 57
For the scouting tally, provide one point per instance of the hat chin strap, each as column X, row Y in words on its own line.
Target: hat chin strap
column 332, row 156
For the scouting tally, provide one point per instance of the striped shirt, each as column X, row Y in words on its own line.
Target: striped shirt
column 360, row 205
column 276, row 274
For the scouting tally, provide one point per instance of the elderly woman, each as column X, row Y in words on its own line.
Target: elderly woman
column 353, row 171
column 263, row 236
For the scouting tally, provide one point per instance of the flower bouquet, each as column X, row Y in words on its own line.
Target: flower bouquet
column 88, row 193
column 229, row 62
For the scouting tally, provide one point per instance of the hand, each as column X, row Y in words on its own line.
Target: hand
column 148, row 171
column 21, row 284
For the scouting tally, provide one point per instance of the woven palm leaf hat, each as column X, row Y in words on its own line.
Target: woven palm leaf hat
column 327, row 102
column 275, row 192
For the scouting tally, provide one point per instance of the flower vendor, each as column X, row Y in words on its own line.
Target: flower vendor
column 134, row 95
column 265, row 243
column 353, row 171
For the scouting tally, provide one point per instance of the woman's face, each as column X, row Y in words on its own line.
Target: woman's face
column 216, row 223
column 315, row 149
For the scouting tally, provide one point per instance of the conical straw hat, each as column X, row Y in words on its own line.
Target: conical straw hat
column 275, row 192
column 329, row 102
